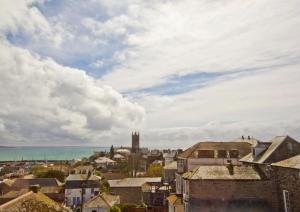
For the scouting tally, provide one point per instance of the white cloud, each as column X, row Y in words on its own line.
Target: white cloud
column 45, row 103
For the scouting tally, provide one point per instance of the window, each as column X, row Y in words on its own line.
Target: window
column 94, row 211
column 234, row 153
column 74, row 201
column 222, row 153
column 206, row 154
column 286, row 201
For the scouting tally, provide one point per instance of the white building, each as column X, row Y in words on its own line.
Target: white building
column 80, row 188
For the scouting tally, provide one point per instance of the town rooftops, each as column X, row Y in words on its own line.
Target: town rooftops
column 31, row 201
column 74, row 181
column 265, row 155
column 43, row 182
column 293, row 162
column 222, row 173
column 238, row 144
column 133, row 182
column 104, row 160
column 102, row 200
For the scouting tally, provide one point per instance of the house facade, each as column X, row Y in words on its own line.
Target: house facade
column 81, row 188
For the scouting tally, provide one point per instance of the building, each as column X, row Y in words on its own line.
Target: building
column 211, row 153
column 279, row 148
column 286, row 176
column 5, row 186
column 105, row 163
column 33, row 201
column 175, row 203
column 130, row 189
column 154, row 196
column 227, row 188
column 101, row 203
column 169, row 172
column 135, row 142
column 79, row 187
column 84, row 169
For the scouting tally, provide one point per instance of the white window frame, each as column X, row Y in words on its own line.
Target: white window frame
column 286, row 201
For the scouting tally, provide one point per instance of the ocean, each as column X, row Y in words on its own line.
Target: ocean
column 47, row 153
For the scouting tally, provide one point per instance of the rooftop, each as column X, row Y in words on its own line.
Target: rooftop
column 43, row 182
column 31, row 201
column 223, row 173
column 236, row 144
column 133, row 182
column 102, row 200
column 104, row 160
column 293, row 162
column 265, row 155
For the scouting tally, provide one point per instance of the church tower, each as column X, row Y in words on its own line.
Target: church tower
column 135, row 142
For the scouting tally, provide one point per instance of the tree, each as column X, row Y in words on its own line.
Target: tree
column 155, row 170
column 59, row 175
column 115, row 209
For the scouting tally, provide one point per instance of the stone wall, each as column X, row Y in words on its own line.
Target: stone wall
column 128, row 194
column 287, row 179
column 233, row 190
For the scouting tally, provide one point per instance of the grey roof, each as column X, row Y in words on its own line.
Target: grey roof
column 133, row 182
column 264, row 156
column 43, row 182
column 293, row 162
column 82, row 180
column 222, row 173
column 102, row 200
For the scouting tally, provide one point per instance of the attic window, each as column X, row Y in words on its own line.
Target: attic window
column 234, row 153
column 206, row 154
column 222, row 153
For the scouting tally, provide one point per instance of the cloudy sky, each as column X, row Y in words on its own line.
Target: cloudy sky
column 89, row 72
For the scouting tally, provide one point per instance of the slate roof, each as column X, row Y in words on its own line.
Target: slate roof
column 81, row 180
column 102, row 200
column 293, row 162
column 265, row 155
column 222, row 173
column 236, row 144
column 43, row 182
column 38, row 200
column 133, row 182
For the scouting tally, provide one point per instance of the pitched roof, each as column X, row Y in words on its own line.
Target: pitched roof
column 293, row 162
column 222, row 173
column 133, row 182
column 102, row 200
column 265, row 155
column 82, row 180
column 236, row 144
column 43, row 182
column 39, row 201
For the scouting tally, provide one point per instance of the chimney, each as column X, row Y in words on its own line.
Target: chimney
column 34, row 188
column 249, row 137
column 229, row 166
column 242, row 137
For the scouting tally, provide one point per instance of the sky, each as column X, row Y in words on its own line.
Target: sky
column 89, row 72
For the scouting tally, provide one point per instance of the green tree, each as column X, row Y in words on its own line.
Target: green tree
column 155, row 170
column 115, row 209
column 59, row 175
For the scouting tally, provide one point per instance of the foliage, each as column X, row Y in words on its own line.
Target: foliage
column 43, row 172
column 105, row 186
column 111, row 152
column 115, row 209
column 155, row 170
column 98, row 173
